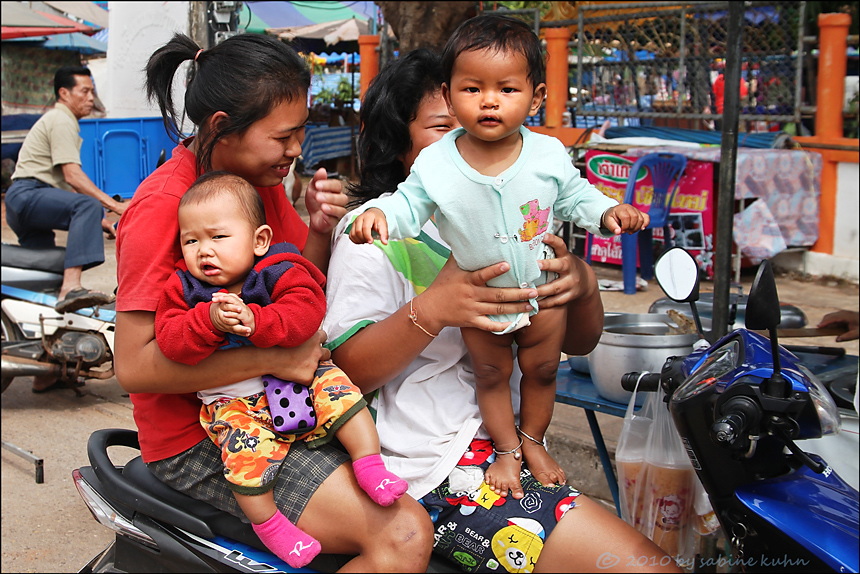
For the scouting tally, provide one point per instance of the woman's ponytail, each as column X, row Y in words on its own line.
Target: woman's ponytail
column 160, row 69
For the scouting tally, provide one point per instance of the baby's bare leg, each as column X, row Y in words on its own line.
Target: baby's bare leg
column 258, row 508
column 538, row 354
column 358, row 436
column 492, row 361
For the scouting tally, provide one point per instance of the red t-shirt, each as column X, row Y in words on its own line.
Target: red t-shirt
column 147, row 249
column 720, row 89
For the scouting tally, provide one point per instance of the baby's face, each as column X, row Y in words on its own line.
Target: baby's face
column 491, row 94
column 217, row 242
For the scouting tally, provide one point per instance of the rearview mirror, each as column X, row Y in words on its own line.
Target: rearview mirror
column 762, row 311
column 678, row 275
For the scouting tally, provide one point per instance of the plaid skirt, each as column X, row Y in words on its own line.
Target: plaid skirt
column 199, row 473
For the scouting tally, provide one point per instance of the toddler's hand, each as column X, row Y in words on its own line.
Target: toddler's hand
column 365, row 224
column 229, row 314
column 625, row 218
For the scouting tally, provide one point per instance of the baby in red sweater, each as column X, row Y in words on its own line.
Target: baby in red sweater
column 233, row 287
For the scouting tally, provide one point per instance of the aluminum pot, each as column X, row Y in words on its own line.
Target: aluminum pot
column 580, row 362
column 633, row 342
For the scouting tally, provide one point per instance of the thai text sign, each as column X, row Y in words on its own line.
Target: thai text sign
column 691, row 216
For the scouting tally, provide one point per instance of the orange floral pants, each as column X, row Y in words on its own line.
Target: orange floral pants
column 252, row 450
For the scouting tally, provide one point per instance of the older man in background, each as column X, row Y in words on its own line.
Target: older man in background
column 50, row 191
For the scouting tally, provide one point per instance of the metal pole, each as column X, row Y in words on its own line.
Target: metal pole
column 728, row 163
column 682, row 74
column 798, row 62
column 39, row 463
column 579, row 55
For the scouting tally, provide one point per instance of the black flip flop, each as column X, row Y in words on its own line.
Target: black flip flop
column 55, row 386
column 81, row 298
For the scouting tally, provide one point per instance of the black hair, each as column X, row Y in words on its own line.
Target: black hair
column 213, row 184
column 246, row 76
column 389, row 106
column 497, row 33
column 65, row 78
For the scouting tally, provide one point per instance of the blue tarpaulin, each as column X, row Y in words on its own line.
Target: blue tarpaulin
column 761, row 140
column 332, row 59
column 325, row 142
column 76, row 42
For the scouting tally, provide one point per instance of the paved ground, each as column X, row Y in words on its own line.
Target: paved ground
column 47, row 528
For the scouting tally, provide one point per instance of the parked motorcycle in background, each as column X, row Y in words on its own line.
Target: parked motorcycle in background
column 39, row 341
column 739, row 406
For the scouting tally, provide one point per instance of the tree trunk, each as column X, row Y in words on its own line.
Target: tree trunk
column 425, row 24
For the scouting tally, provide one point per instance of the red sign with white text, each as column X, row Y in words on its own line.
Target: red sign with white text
column 692, row 213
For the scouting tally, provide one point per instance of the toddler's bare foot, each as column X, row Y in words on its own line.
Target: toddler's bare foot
column 504, row 475
column 542, row 466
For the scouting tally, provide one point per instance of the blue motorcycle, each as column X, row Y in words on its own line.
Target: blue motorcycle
column 739, row 405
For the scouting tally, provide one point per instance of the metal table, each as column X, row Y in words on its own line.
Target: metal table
column 577, row 389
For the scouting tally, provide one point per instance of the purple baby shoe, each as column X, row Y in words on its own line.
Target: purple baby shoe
column 291, row 404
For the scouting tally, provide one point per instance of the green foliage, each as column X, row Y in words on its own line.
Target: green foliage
column 343, row 93
column 814, row 8
column 520, row 5
column 852, row 117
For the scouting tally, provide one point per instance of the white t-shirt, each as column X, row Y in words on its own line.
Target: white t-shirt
column 427, row 416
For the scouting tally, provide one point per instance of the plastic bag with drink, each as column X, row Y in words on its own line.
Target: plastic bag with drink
column 659, row 491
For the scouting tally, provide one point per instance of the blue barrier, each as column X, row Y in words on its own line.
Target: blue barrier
column 16, row 122
column 117, row 154
column 324, row 142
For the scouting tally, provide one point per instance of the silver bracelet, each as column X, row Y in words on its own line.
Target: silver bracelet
column 531, row 438
column 512, row 451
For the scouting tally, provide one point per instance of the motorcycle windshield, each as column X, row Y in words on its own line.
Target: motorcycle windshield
column 819, row 511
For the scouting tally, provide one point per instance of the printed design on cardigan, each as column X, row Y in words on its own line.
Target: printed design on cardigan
column 536, row 220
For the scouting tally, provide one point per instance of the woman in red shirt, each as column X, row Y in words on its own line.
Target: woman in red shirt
column 248, row 100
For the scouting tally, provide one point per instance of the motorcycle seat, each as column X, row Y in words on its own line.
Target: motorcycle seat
column 221, row 523
column 50, row 259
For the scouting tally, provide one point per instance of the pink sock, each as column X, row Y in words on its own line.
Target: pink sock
column 372, row 476
column 287, row 540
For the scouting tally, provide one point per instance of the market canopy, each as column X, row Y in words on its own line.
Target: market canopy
column 328, row 32
column 332, row 59
column 258, row 17
column 338, row 36
column 19, row 21
column 87, row 11
column 75, row 42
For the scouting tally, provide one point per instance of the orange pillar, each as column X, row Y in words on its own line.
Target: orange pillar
column 832, row 64
column 557, row 89
column 369, row 61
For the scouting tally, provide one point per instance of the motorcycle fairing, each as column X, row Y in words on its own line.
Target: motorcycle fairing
column 242, row 556
column 819, row 511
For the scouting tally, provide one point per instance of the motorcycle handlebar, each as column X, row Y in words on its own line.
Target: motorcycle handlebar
column 739, row 414
column 649, row 382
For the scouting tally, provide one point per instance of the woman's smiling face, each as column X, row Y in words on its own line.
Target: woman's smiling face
column 432, row 121
column 264, row 152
